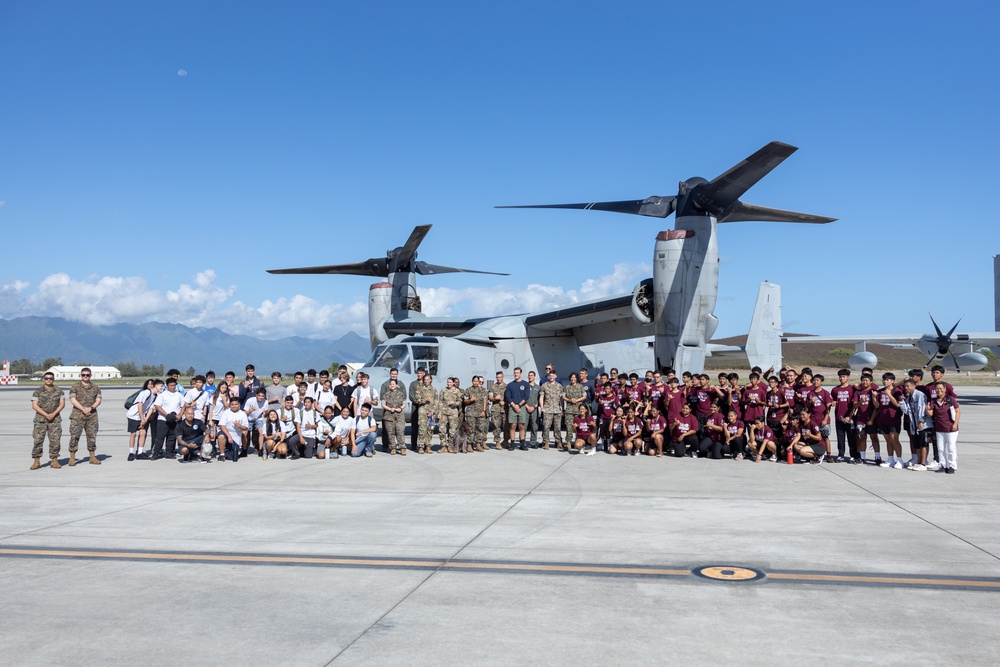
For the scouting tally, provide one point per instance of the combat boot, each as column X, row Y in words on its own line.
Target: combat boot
column 402, row 451
column 94, row 460
column 35, row 465
column 546, row 445
column 72, row 458
column 55, row 463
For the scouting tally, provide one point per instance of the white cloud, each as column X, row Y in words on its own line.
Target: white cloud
column 102, row 300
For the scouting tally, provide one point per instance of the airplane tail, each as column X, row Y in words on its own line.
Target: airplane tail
column 763, row 346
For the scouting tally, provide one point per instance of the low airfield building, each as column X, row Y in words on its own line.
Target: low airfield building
column 73, row 372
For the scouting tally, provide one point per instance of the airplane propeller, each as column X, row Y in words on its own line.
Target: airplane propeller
column 718, row 197
column 399, row 260
column 943, row 342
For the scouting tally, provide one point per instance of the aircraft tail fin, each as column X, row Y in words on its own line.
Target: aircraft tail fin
column 764, row 340
column 996, row 292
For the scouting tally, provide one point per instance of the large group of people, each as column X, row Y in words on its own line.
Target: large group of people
column 785, row 416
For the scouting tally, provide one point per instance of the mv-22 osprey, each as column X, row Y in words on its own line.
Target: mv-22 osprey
column 675, row 307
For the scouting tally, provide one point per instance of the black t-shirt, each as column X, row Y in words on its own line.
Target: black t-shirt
column 188, row 432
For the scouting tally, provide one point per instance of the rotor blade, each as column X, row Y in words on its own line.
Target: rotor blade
column 726, row 188
column 936, row 327
column 372, row 267
column 409, row 249
column 655, row 206
column 740, row 212
column 425, row 269
column 952, row 330
column 955, row 359
column 931, row 358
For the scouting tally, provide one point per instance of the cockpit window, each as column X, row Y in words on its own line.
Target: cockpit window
column 391, row 356
column 426, row 357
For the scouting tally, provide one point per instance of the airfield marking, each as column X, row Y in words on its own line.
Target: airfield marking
column 725, row 574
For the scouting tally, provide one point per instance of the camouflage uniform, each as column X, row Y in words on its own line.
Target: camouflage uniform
column 572, row 409
column 426, row 403
column 48, row 400
column 79, row 422
column 448, row 417
column 475, row 416
column 393, row 424
column 497, row 416
column 551, row 399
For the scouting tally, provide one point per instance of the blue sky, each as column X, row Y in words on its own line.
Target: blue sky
column 158, row 157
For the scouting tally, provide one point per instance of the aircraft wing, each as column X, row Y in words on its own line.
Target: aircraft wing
column 976, row 339
column 597, row 321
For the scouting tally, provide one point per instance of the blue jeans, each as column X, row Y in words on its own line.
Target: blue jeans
column 364, row 443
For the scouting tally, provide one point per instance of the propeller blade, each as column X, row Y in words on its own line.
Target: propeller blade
column 655, row 206
column 373, row 267
column 726, row 188
column 409, row 249
column 740, row 212
column 952, row 330
column 425, row 269
column 937, row 329
column 954, row 359
column 930, row 359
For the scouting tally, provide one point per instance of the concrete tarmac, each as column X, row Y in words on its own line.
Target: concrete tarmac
column 495, row 558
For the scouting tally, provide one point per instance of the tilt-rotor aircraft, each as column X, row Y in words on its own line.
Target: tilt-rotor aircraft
column 675, row 307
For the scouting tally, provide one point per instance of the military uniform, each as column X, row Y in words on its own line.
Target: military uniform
column 48, row 399
column 413, row 413
column 393, row 424
column 475, row 415
column 79, row 422
column 572, row 409
column 551, row 400
column 426, row 403
column 497, row 417
column 450, row 402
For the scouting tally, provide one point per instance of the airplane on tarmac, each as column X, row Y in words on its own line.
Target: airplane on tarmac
column 940, row 347
column 674, row 307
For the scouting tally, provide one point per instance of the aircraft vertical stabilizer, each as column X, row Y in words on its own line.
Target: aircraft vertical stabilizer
column 996, row 292
column 764, row 341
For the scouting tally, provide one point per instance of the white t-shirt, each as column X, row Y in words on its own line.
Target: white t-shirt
column 364, row 395
column 287, row 419
column 170, row 401
column 305, row 417
column 325, row 398
column 145, row 399
column 231, row 421
column 342, row 426
column 254, row 408
column 363, row 423
column 200, row 398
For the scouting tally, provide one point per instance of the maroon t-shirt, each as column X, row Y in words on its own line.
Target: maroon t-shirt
column 674, row 401
column 632, row 393
column 633, row 427
column 866, row 405
column 753, row 402
column 943, row 420
column 888, row 414
column 686, row 426
column 809, row 428
column 931, row 391
column 819, row 403
column 844, row 396
column 659, row 424
column 608, row 405
column 762, row 434
column 654, row 392
column 734, row 427
column 774, row 399
column 715, row 420
column 703, row 396
column 791, row 397
column 583, row 426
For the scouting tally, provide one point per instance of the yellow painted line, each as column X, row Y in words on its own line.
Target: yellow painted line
column 875, row 579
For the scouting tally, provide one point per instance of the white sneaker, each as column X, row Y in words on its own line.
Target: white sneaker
column 897, row 465
column 933, row 465
column 916, row 467
column 590, row 452
column 884, row 464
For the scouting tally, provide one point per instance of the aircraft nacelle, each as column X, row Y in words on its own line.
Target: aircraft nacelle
column 379, row 310
column 862, row 359
column 971, row 361
column 642, row 302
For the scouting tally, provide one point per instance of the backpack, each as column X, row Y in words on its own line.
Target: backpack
column 130, row 401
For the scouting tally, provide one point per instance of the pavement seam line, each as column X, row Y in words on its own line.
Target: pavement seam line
column 913, row 514
column 444, row 565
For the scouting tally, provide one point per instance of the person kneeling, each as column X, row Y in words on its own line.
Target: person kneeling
column 365, row 427
column 191, row 438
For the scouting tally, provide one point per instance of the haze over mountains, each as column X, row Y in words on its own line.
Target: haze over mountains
column 173, row 345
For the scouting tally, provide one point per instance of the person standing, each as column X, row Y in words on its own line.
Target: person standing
column 551, row 399
column 532, row 408
column 474, row 400
column 496, row 398
column 169, row 406
column 450, row 402
column 414, row 417
column 47, row 401
column 426, row 404
column 393, row 424
column 85, row 397
column 573, row 397
column 516, row 397
column 946, row 413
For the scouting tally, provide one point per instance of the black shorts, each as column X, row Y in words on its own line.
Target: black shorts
column 885, row 429
column 818, row 450
column 133, row 426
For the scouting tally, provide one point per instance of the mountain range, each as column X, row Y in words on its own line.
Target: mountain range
column 173, row 345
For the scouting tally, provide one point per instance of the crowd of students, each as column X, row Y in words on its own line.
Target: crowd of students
column 789, row 416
